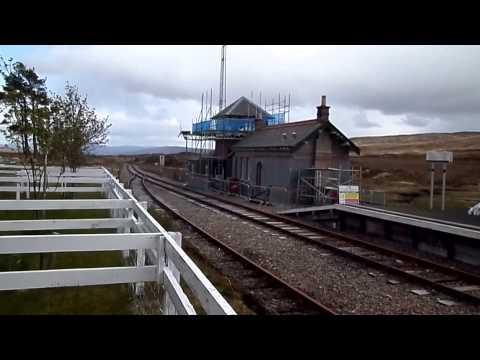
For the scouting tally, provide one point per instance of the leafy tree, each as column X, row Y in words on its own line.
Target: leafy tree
column 46, row 128
column 25, row 105
column 77, row 127
column 26, row 116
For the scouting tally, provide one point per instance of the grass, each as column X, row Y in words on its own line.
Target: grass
column 109, row 299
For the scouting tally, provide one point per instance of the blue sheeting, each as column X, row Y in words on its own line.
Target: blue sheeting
column 276, row 119
column 233, row 125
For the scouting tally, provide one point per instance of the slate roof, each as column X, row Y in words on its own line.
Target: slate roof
column 242, row 107
column 272, row 136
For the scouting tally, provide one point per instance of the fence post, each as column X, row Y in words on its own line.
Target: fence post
column 120, row 213
column 127, row 212
column 169, row 308
column 17, row 197
column 140, row 287
column 161, row 260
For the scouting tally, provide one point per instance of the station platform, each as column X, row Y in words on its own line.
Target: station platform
column 394, row 216
column 454, row 240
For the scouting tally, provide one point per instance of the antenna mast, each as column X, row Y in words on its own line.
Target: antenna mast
column 223, row 80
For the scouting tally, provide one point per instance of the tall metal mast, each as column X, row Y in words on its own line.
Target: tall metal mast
column 222, row 98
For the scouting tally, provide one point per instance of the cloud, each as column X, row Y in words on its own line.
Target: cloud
column 372, row 89
column 361, row 120
column 417, row 121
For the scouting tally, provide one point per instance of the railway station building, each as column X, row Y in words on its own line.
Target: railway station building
column 256, row 148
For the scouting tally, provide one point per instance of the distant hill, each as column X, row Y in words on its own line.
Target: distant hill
column 135, row 150
column 418, row 143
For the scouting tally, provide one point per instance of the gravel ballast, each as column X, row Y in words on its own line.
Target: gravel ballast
column 339, row 283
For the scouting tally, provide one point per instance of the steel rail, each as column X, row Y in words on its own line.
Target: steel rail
column 368, row 261
column 321, row 308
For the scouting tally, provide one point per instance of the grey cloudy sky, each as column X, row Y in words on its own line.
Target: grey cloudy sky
column 149, row 92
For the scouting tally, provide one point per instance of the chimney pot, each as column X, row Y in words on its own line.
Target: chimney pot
column 323, row 110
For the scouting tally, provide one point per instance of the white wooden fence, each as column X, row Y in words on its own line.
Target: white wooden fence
column 158, row 253
column 19, row 180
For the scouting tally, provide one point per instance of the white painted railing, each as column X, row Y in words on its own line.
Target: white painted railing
column 172, row 255
column 158, row 253
column 57, row 180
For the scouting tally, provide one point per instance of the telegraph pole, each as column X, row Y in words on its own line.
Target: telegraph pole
column 222, row 95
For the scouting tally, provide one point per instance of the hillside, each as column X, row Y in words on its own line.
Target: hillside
column 418, row 143
column 397, row 165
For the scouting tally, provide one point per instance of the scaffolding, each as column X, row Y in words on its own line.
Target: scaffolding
column 320, row 185
column 206, row 129
column 280, row 110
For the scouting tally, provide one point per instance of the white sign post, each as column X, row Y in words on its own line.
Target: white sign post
column 442, row 157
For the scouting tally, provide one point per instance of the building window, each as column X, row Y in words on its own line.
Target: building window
column 240, row 175
column 258, row 175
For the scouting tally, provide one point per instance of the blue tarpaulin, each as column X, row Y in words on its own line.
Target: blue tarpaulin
column 233, row 125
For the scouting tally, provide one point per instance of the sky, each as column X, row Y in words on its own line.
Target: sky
column 152, row 92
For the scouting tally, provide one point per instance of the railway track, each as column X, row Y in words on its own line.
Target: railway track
column 268, row 293
column 454, row 282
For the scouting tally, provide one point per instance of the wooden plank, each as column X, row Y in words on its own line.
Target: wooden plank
column 56, row 175
column 13, row 172
column 210, row 299
column 6, row 166
column 65, row 204
column 64, row 224
column 176, row 294
column 36, row 279
column 55, row 180
column 18, row 244
column 58, row 169
column 169, row 306
column 139, row 287
column 55, row 171
column 56, row 189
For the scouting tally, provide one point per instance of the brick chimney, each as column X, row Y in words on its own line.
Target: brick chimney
column 259, row 122
column 323, row 110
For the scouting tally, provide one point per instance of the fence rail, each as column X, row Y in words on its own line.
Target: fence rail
column 57, row 181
